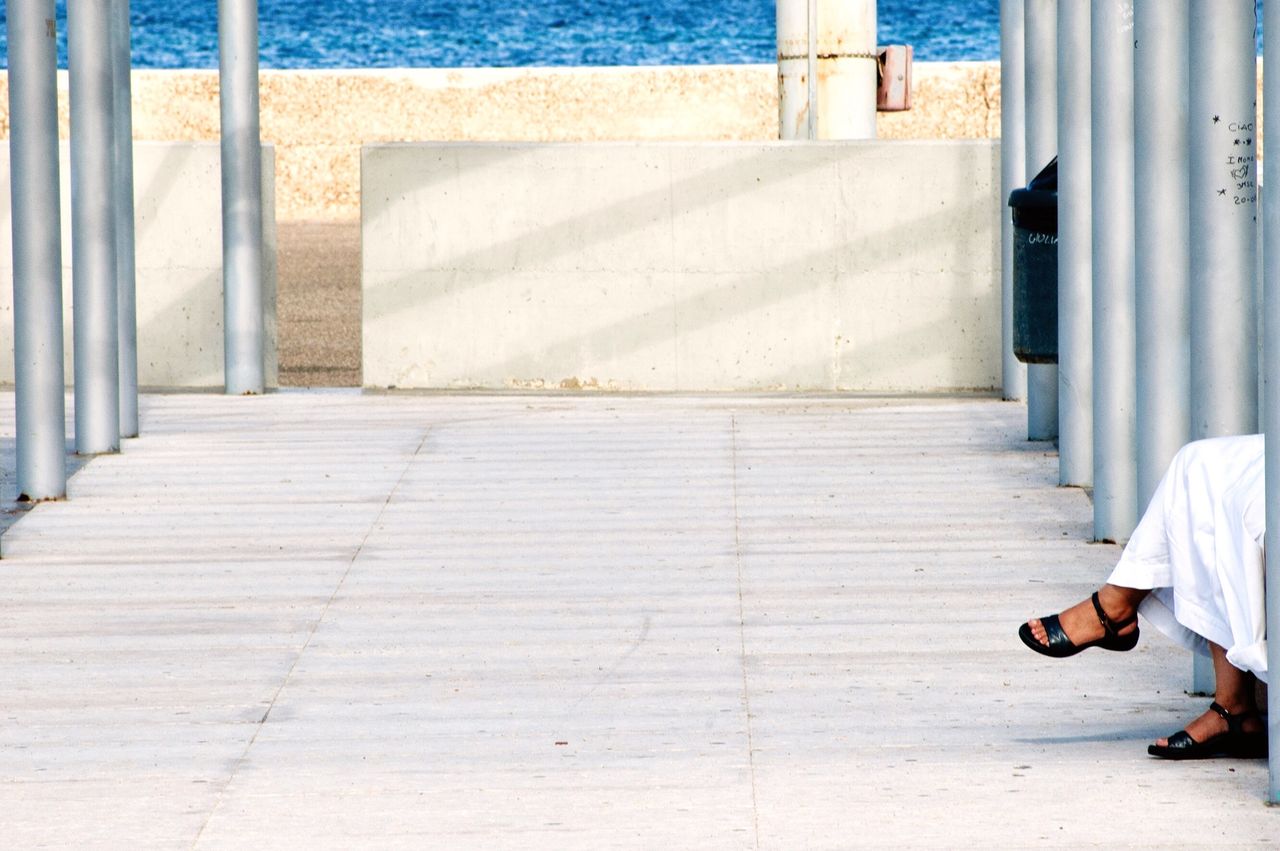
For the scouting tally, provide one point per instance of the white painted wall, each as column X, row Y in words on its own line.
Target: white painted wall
column 869, row 266
column 179, row 264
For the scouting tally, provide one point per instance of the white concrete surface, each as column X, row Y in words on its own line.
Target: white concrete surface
column 179, row 264
column 714, row 266
column 330, row 621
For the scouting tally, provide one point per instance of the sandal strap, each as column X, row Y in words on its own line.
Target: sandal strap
column 1235, row 723
column 1109, row 626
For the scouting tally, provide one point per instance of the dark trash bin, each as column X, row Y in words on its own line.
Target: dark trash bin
column 1035, row 268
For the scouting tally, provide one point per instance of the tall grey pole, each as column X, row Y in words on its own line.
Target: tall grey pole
column 1041, row 92
column 1162, row 74
column 39, row 378
column 1224, row 192
column 1075, row 249
column 1271, row 319
column 1223, row 204
column 241, row 196
column 1115, row 473
column 1162, row 274
column 126, row 274
column 1013, row 173
column 1162, row 251
column 93, row 234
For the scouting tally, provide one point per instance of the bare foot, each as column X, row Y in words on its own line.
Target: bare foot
column 1081, row 624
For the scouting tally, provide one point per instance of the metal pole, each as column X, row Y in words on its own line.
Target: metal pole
column 1012, row 175
column 793, row 76
column 1041, row 58
column 1075, row 249
column 811, row 75
column 93, row 234
column 1163, row 229
column 1224, row 376
column 1223, row 216
column 241, row 196
column 1115, row 472
column 39, row 379
column 1162, row 287
column 846, row 69
column 126, row 275
column 1162, row 253
column 1271, row 318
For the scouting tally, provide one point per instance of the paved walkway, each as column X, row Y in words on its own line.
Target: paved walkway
column 335, row 621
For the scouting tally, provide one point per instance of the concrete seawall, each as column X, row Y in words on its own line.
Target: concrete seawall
column 317, row 120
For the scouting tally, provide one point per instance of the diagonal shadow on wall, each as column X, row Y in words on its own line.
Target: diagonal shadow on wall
column 565, row 246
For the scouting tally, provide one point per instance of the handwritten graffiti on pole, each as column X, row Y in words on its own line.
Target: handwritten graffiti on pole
column 1240, row 182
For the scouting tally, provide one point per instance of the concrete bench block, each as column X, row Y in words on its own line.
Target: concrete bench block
column 682, row 266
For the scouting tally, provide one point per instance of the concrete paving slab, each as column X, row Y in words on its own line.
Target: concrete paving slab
column 327, row 620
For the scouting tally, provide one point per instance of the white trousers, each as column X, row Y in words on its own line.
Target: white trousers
column 1199, row 547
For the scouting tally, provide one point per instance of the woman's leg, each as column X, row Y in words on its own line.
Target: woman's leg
column 1234, row 692
column 1081, row 623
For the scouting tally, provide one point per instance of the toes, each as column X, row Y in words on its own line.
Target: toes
column 1037, row 630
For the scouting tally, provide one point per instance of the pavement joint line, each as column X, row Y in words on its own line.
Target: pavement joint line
column 235, row 769
column 742, row 629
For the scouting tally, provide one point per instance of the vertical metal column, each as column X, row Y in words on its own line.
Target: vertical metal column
column 126, row 274
column 1223, row 205
column 1115, row 473
column 39, row 378
column 1162, row 251
column 1041, row 116
column 1041, row 69
column 1162, row 288
column 93, row 234
column 1012, row 175
column 846, row 69
column 1271, row 415
column 1075, row 248
column 793, row 71
column 241, row 196
column 1162, row 297
column 1224, row 193
column 826, row 69
column 811, row 68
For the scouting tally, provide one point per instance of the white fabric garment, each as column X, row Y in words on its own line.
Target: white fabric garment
column 1199, row 546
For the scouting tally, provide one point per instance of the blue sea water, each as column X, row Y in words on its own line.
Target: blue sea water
column 461, row 33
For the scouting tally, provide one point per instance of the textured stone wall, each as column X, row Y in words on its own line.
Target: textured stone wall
column 318, row 120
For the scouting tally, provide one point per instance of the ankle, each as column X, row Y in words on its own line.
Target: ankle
column 1120, row 604
column 1236, row 704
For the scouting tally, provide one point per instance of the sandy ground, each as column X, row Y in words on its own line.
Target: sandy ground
column 317, row 120
column 318, row 303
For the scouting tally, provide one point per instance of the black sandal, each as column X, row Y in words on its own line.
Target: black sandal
column 1234, row 743
column 1059, row 646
